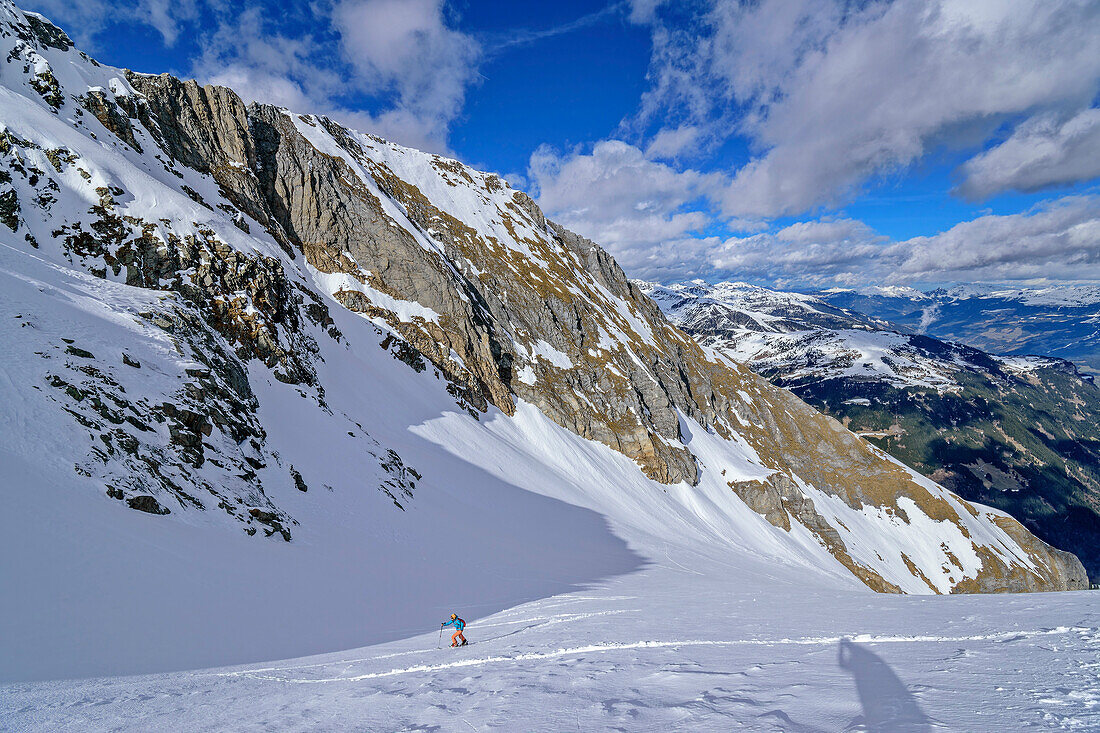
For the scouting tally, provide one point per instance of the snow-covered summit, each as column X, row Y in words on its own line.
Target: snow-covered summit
column 738, row 305
column 887, row 291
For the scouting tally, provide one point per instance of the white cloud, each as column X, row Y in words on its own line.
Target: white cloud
column 594, row 183
column 830, row 94
column 639, row 209
column 84, row 19
column 263, row 66
column 643, row 11
column 402, row 52
column 255, row 84
column 1045, row 151
column 673, row 142
column 168, row 16
column 406, row 47
column 1058, row 240
column 321, row 57
column 813, row 252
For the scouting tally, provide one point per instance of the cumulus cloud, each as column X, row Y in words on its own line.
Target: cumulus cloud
column 1058, row 240
column 256, row 84
column 406, row 47
column 641, row 210
column 831, row 94
column 263, row 65
column 828, row 97
column 1045, row 151
column 811, row 252
column 400, row 52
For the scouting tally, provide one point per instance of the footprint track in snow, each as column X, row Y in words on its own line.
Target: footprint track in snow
column 536, row 622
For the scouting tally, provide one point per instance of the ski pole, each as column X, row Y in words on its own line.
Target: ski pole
column 439, row 644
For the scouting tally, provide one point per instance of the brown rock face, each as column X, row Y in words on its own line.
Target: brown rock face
column 510, row 306
column 1058, row 570
column 318, row 203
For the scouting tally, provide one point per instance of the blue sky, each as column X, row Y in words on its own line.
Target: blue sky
column 798, row 143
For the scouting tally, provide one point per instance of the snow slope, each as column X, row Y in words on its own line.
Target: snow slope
column 97, row 588
column 693, row 642
column 483, row 530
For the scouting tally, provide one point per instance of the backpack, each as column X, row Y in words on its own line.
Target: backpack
column 462, row 624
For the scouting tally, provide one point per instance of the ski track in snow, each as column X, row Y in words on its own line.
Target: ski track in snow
column 607, row 660
column 609, row 647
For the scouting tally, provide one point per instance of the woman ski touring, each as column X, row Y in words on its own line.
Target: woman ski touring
column 459, row 625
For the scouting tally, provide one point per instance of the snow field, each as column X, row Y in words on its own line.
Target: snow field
column 713, row 648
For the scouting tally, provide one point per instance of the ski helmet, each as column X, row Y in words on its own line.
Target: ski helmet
column 453, row 616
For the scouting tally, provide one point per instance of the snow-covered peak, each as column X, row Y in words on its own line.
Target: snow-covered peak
column 736, row 306
column 732, row 293
column 893, row 291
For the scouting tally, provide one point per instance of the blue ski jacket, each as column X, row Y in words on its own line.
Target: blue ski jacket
column 457, row 623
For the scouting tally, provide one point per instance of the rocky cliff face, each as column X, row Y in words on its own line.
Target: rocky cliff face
column 267, row 219
column 512, row 307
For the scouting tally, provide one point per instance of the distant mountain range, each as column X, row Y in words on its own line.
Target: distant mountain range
column 1021, row 433
column 1057, row 321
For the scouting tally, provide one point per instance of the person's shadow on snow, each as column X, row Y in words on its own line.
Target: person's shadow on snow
column 888, row 705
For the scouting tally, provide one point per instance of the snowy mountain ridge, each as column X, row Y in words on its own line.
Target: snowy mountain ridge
column 1058, row 321
column 801, row 336
column 227, row 322
column 1060, row 295
column 888, row 291
column 1016, row 432
column 1064, row 295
